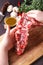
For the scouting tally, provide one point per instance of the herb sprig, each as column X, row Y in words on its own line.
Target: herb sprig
column 28, row 5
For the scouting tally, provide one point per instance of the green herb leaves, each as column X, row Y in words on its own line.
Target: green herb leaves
column 25, row 1
column 31, row 5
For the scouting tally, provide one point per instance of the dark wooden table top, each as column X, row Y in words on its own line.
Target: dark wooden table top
column 2, row 30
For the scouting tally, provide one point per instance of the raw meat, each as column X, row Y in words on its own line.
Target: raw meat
column 22, row 32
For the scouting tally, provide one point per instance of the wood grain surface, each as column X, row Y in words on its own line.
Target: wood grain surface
column 33, row 51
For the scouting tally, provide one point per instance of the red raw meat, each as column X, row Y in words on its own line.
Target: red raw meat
column 22, row 32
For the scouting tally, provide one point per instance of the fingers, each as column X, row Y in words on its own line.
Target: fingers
column 13, row 30
column 7, row 29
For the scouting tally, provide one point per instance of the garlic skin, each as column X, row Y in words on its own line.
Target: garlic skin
column 1, row 13
column 13, row 14
column 10, row 8
column 15, row 9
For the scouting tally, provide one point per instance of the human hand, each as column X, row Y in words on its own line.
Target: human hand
column 8, row 39
column 38, row 15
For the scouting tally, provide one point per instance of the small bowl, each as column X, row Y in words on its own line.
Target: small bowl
column 11, row 21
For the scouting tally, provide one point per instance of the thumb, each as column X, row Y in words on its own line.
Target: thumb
column 8, row 29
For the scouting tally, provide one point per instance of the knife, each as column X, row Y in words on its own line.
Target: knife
column 3, row 10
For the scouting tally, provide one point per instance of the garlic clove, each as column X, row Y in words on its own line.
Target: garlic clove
column 15, row 9
column 10, row 8
column 13, row 14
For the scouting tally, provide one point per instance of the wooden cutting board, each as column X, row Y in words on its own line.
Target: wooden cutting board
column 33, row 51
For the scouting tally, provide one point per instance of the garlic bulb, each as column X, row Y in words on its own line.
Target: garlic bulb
column 10, row 8
column 13, row 14
column 15, row 9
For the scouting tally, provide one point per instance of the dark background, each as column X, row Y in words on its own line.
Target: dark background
column 14, row 3
column 2, row 30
